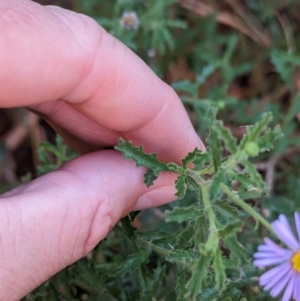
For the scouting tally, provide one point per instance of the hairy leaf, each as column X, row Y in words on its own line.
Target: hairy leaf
column 226, row 210
column 181, row 214
column 186, row 236
column 150, row 177
column 208, row 294
column 153, row 283
column 133, row 261
column 255, row 177
column 214, row 189
column 201, row 230
column 180, row 185
column 255, row 130
column 237, row 251
column 215, row 148
column 181, row 281
column 230, row 229
column 266, row 142
column 219, row 269
column 199, row 271
column 180, row 256
column 225, row 135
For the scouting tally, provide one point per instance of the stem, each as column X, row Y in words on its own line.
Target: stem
column 246, row 207
column 208, row 209
column 193, row 175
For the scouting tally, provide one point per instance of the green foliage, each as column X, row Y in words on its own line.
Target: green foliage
column 52, row 157
column 198, row 248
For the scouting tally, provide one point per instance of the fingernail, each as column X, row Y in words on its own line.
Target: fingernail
column 156, row 197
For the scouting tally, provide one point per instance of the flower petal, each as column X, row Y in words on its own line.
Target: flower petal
column 288, row 294
column 277, row 289
column 296, row 294
column 284, row 232
column 297, row 223
column 273, row 246
column 265, row 262
column 286, row 255
column 271, row 277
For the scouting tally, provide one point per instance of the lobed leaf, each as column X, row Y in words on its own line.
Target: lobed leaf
column 182, row 214
column 199, row 271
column 186, row 236
column 255, row 177
column 180, row 256
column 180, row 185
column 180, row 286
column 237, row 251
column 215, row 148
column 227, row 210
column 230, row 229
column 220, row 275
column 255, row 130
column 266, row 142
column 214, row 189
column 133, row 261
column 208, row 294
column 225, row 135
column 137, row 154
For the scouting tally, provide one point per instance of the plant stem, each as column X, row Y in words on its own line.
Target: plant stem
column 194, row 176
column 208, row 209
column 245, row 207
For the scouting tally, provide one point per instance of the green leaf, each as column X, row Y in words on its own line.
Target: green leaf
column 186, row 236
column 182, row 214
column 180, row 185
column 190, row 157
column 201, row 230
column 150, row 177
column 201, row 160
column 181, row 281
column 226, row 210
column 180, row 256
column 284, row 63
column 127, row 227
column 266, row 142
column 208, row 294
column 237, row 251
column 149, row 161
column 255, row 177
column 133, row 261
column 225, row 135
column 211, row 115
column 230, row 229
column 214, row 189
column 219, row 269
column 199, row 271
column 137, row 154
column 215, row 148
column 257, row 129
column 153, row 283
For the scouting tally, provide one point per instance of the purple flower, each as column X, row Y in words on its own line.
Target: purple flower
column 286, row 275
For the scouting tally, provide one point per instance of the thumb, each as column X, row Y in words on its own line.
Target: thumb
column 58, row 218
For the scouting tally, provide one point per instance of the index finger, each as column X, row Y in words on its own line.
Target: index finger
column 47, row 53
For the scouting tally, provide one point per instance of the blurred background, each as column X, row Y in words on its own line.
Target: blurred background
column 241, row 56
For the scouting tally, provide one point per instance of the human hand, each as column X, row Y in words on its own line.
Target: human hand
column 93, row 90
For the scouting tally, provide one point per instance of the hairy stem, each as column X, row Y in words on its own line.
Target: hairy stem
column 246, row 207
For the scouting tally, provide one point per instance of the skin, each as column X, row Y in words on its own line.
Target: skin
column 92, row 89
